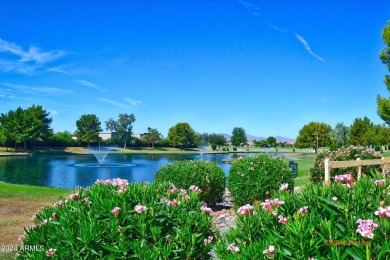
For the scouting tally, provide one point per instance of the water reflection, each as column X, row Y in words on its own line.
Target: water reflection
column 61, row 171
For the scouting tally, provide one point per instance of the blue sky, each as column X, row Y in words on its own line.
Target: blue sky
column 267, row 66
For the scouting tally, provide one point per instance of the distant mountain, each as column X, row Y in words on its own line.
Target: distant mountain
column 249, row 137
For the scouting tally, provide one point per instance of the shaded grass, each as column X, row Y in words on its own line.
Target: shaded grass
column 18, row 203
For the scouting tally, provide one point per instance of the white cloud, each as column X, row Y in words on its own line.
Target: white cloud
column 307, row 47
column 89, row 84
column 26, row 61
column 36, row 90
column 254, row 9
column 112, row 102
column 134, row 102
column 53, row 112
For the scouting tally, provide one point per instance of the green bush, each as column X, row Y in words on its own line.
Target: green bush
column 208, row 176
column 319, row 222
column 213, row 147
column 351, row 153
column 234, row 148
column 256, row 178
column 107, row 221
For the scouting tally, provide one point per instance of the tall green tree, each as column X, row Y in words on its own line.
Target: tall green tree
column 340, row 134
column 310, row 133
column 238, row 136
column 182, row 135
column 152, row 136
column 88, row 128
column 123, row 127
column 216, row 140
column 38, row 124
column 271, row 141
column 359, row 131
column 384, row 55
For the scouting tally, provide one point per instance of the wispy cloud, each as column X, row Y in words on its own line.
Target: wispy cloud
column 277, row 28
column 254, row 9
column 112, row 102
column 89, row 84
column 36, row 90
column 26, row 61
column 307, row 47
column 53, row 112
column 134, row 102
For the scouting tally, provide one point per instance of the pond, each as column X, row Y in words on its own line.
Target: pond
column 69, row 171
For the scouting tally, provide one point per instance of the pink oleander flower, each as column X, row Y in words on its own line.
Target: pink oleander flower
column 121, row 183
column 186, row 197
column 269, row 204
column 73, row 196
column 282, row 219
column 284, row 187
column 86, row 200
column 382, row 203
column 34, row 217
column 383, row 212
column 115, row 211
column 233, row 248
column 366, row 228
column 173, row 203
column 195, row 189
column 50, row 252
column 208, row 240
column 344, row 178
column 21, row 238
column 380, row 182
column 53, row 216
column 205, row 209
column 140, row 208
column 269, row 251
column 245, row 210
column 303, row 210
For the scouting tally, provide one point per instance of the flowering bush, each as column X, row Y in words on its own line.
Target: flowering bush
column 208, row 176
column 116, row 220
column 256, row 178
column 319, row 222
column 347, row 154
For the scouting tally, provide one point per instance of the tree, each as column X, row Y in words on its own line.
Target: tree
column 310, row 133
column 122, row 127
column 340, row 134
column 359, row 130
column 271, row 141
column 216, row 140
column 384, row 55
column 182, row 135
column 238, row 136
column 88, row 128
column 152, row 136
column 38, row 124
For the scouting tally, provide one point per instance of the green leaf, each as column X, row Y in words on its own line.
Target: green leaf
column 111, row 248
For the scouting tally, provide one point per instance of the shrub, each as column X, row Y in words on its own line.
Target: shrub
column 114, row 220
column 206, row 175
column 234, row 148
column 256, row 178
column 213, row 147
column 350, row 153
column 320, row 222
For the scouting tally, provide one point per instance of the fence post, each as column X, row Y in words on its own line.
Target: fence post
column 383, row 166
column 359, row 173
column 327, row 173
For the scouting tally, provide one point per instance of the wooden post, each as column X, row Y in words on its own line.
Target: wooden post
column 383, row 166
column 327, row 173
column 359, row 174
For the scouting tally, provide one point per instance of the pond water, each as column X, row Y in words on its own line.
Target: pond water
column 69, row 171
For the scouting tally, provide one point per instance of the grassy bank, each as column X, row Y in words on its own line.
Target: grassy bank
column 18, row 203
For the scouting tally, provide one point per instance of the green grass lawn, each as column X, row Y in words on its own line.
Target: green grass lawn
column 18, row 203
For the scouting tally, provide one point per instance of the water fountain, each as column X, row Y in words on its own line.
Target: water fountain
column 202, row 147
column 100, row 154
